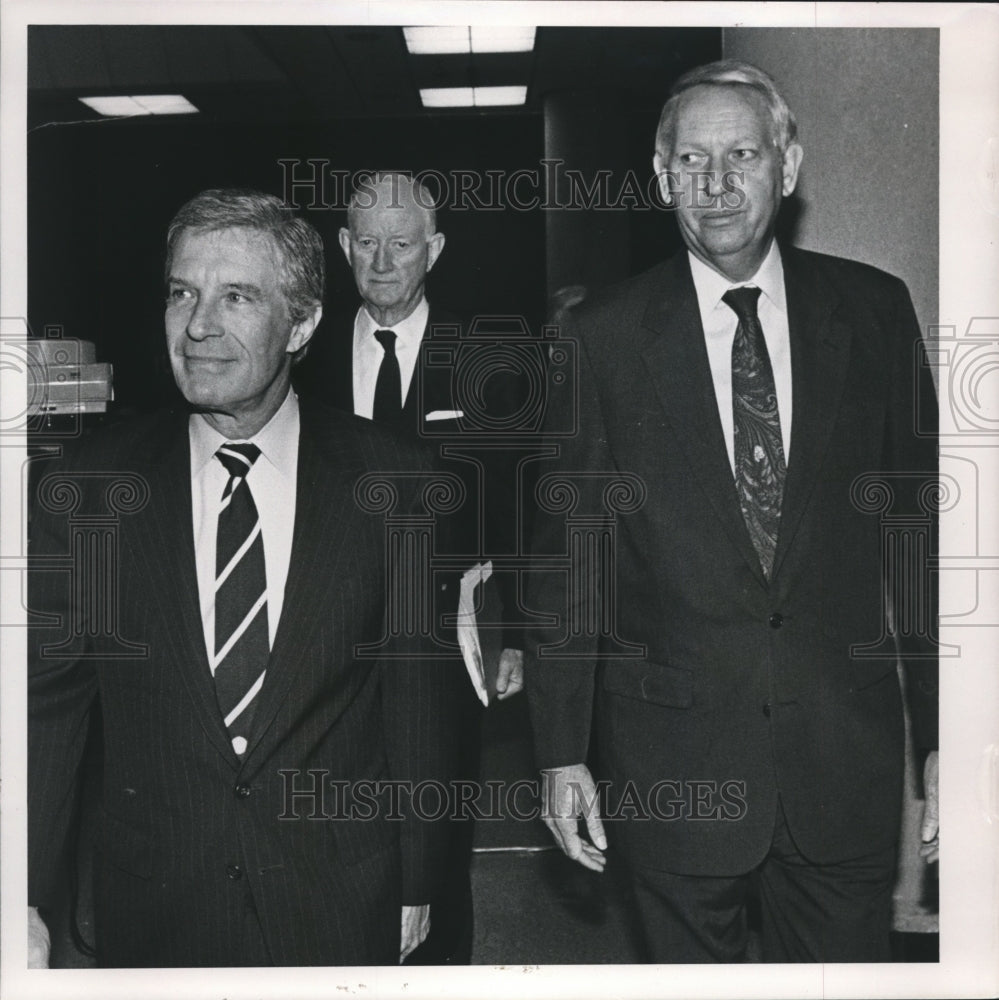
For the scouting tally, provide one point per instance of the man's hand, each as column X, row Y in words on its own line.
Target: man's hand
column 38, row 940
column 510, row 677
column 415, row 928
column 567, row 793
column 930, row 848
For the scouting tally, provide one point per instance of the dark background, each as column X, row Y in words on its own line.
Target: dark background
column 101, row 191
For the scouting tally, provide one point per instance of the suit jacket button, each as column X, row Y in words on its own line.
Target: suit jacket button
column 776, row 620
column 242, row 791
column 234, row 872
column 766, row 709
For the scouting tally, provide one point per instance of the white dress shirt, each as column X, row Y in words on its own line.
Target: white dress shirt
column 368, row 354
column 720, row 322
column 272, row 481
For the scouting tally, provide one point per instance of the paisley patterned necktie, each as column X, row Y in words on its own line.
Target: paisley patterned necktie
column 760, row 468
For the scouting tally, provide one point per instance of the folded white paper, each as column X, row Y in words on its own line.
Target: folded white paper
column 467, row 627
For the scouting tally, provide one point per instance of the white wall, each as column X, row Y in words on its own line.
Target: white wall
column 867, row 106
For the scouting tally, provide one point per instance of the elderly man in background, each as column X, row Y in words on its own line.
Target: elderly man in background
column 375, row 363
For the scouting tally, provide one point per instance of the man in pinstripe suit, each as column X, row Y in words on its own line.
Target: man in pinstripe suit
column 247, row 740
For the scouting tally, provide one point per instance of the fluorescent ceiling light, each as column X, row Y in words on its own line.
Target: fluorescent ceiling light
column 447, row 40
column 166, row 104
column 143, row 104
column 492, row 96
column 447, row 97
column 114, row 106
column 502, row 38
column 472, row 97
column 437, row 40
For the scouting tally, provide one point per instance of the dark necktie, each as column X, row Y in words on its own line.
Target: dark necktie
column 242, row 642
column 760, row 468
column 388, row 387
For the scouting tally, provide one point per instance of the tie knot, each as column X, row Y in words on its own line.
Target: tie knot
column 238, row 459
column 742, row 301
column 387, row 339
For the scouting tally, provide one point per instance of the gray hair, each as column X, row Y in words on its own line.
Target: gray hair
column 364, row 196
column 303, row 272
column 728, row 73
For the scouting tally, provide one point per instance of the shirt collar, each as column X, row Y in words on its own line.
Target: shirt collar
column 711, row 286
column 276, row 439
column 409, row 330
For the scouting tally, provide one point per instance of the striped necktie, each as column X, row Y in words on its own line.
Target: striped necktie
column 242, row 641
column 760, row 468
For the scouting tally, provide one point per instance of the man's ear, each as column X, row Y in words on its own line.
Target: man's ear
column 301, row 333
column 789, row 168
column 434, row 247
column 662, row 178
column 345, row 243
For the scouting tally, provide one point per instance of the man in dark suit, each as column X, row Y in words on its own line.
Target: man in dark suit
column 744, row 390
column 245, row 730
column 374, row 362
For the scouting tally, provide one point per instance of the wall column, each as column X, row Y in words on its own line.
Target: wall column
column 586, row 131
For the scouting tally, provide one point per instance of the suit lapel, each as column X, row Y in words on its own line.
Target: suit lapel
column 323, row 522
column 341, row 369
column 820, row 353
column 677, row 362
column 430, row 388
column 166, row 544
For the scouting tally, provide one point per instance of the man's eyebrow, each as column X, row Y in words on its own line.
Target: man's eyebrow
column 243, row 286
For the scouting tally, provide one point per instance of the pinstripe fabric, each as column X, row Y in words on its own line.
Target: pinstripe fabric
column 181, row 812
column 493, row 521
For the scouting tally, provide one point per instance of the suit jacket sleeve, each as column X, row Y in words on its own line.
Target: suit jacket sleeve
column 420, row 704
column 911, row 447
column 509, row 506
column 61, row 693
column 559, row 687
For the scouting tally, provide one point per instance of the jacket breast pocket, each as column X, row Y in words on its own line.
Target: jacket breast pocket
column 657, row 683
